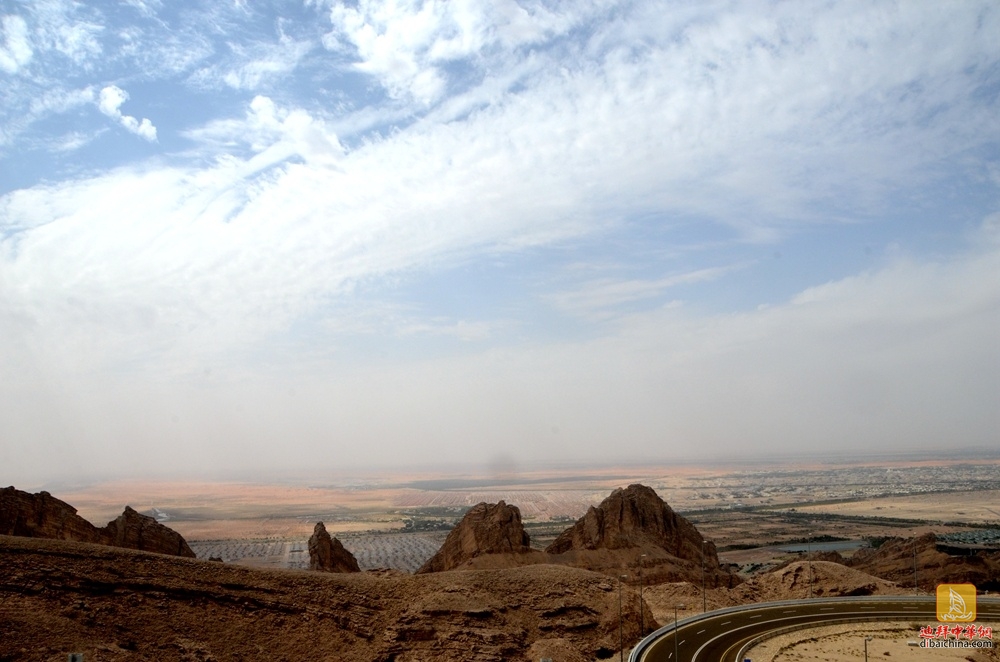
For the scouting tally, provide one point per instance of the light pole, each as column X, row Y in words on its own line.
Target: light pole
column 621, row 636
column 809, row 565
column 867, row 639
column 642, row 623
column 916, row 589
column 704, row 600
column 676, row 654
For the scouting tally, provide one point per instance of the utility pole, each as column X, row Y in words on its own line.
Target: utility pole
column 916, row 589
column 810, row 566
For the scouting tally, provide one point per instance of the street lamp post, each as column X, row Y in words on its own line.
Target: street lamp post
column 867, row 639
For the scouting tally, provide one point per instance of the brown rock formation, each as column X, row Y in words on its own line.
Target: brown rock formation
column 633, row 523
column 894, row 561
column 43, row 516
column 328, row 554
column 132, row 530
column 488, row 528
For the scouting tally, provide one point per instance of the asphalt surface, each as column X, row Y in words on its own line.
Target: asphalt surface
column 719, row 635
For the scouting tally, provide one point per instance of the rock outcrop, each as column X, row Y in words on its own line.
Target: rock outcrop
column 632, row 517
column 488, row 528
column 327, row 554
column 635, row 527
column 896, row 558
column 133, row 530
column 43, row 516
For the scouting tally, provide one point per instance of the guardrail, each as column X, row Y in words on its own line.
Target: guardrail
column 635, row 655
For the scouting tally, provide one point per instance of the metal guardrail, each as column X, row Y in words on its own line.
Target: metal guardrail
column 635, row 655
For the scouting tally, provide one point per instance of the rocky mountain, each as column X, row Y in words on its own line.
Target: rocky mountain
column 488, row 528
column 635, row 529
column 43, row 516
column 133, row 530
column 817, row 579
column 895, row 559
column 328, row 554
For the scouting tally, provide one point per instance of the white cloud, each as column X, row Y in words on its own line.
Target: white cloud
column 257, row 64
column 15, row 47
column 109, row 102
column 267, row 254
column 406, row 43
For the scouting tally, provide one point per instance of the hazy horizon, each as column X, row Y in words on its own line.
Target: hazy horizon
column 253, row 238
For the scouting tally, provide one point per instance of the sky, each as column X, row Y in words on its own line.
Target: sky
column 263, row 237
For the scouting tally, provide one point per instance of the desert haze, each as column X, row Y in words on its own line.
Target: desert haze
column 511, row 578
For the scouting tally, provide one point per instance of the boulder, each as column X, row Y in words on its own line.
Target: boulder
column 328, row 554
column 488, row 528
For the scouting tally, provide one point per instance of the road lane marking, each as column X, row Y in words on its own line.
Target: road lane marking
column 727, row 622
column 826, row 608
column 757, row 616
column 699, row 631
column 790, row 611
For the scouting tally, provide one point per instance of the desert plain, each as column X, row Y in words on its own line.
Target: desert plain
column 760, row 517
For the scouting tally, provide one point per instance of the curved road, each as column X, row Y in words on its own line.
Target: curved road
column 719, row 635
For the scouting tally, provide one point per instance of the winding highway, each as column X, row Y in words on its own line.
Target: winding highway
column 720, row 636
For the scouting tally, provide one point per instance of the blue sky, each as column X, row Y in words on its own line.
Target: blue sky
column 249, row 237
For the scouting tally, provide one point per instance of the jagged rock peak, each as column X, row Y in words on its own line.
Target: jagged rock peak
column 44, row 516
column 327, row 554
column 134, row 530
column 634, row 517
column 488, row 528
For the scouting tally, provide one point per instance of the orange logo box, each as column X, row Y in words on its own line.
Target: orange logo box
column 956, row 603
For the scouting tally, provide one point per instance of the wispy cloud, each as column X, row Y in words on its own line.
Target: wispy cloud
column 109, row 101
column 422, row 187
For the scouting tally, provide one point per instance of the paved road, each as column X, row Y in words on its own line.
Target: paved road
column 718, row 636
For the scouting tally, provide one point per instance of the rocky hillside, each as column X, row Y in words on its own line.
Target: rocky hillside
column 118, row 604
column 894, row 560
column 487, row 529
column 635, row 530
column 43, row 516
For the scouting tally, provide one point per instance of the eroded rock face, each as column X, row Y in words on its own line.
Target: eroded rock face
column 633, row 517
column 894, row 560
column 488, row 528
column 133, row 530
column 633, row 523
column 43, row 516
column 328, row 554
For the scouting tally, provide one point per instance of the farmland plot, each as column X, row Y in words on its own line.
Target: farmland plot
column 398, row 551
